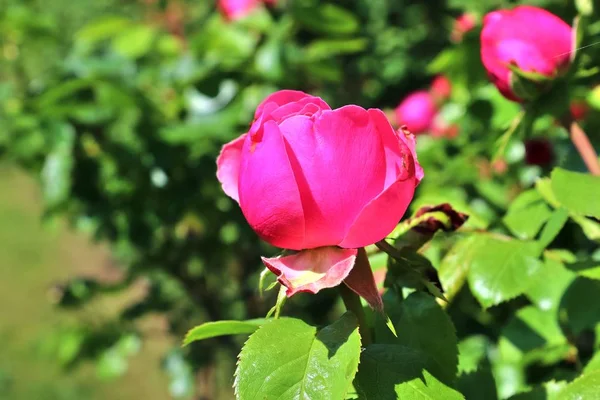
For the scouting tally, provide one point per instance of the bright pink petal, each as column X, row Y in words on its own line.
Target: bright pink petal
column 411, row 142
column 268, row 193
column 362, row 282
column 236, row 9
column 228, row 166
column 339, row 165
column 285, row 97
column 382, row 214
column 312, row 270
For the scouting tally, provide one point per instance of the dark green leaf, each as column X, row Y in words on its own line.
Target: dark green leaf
column 391, row 372
column 421, row 324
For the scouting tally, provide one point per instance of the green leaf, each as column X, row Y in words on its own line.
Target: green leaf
column 534, row 335
column 587, row 268
column 590, row 228
column 471, row 352
column 586, row 387
column 527, row 214
column 578, row 309
column 546, row 293
column 421, row 324
column 288, row 359
column 501, row 269
column 326, row 18
column 102, row 29
column 548, row 391
column 553, row 227
column 222, row 328
column 391, row 372
column 454, row 267
column 135, row 42
column 56, row 172
column 578, row 192
column 479, row 384
column 328, row 48
column 593, row 364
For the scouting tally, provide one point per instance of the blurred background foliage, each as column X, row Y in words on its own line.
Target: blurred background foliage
column 118, row 109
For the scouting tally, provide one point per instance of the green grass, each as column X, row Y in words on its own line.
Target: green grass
column 32, row 258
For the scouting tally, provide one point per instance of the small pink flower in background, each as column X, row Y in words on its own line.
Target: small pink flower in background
column 321, row 182
column 530, row 38
column 441, row 88
column 236, row 9
column 417, row 111
column 579, row 109
column 463, row 24
column 441, row 128
column 538, row 151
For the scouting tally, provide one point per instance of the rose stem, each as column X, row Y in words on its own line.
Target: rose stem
column 353, row 304
column 583, row 146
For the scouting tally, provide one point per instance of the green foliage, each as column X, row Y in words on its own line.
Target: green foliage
column 288, row 359
column 391, row 372
column 120, row 108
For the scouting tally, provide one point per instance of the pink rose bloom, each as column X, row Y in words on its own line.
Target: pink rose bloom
column 441, row 88
column 417, row 111
column 530, row 38
column 462, row 25
column 321, row 182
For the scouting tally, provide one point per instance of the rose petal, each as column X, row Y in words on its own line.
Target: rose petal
column 283, row 97
column 382, row 214
column 312, row 270
column 268, row 193
column 362, row 281
column 228, row 166
column 339, row 168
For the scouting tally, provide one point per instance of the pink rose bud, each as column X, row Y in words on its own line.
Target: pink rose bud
column 538, row 152
column 417, row 111
column 530, row 38
column 441, row 88
column 579, row 109
column 321, row 182
column 236, row 9
column 462, row 25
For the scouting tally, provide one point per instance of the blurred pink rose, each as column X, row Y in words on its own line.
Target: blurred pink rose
column 441, row 88
column 320, row 181
column 531, row 38
column 236, row 9
column 462, row 25
column 417, row 111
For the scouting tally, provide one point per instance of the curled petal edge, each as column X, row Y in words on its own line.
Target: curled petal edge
column 313, row 269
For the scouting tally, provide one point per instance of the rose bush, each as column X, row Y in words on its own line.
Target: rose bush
column 319, row 181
